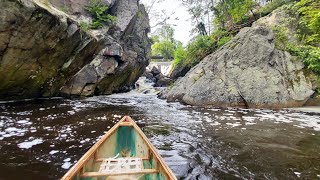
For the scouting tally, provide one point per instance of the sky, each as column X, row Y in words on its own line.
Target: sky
column 180, row 18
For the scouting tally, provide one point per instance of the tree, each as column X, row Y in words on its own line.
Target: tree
column 164, row 42
column 201, row 14
column 163, row 48
column 228, row 13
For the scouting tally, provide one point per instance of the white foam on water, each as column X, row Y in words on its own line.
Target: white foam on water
column 11, row 129
column 215, row 123
column 29, row 144
column 66, row 165
column 297, row 173
column 67, row 160
column 53, row 151
column 233, row 124
column 22, row 122
column 71, row 112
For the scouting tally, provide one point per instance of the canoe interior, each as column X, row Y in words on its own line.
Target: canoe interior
column 123, row 141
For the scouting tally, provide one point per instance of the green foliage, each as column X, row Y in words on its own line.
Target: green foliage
column 308, row 31
column 84, row 26
column 199, row 49
column 230, row 12
column 163, row 43
column 268, row 8
column 179, row 55
column 164, row 48
column 223, row 40
column 154, row 39
column 309, row 23
column 99, row 14
column 281, row 38
column 309, row 54
column 221, row 36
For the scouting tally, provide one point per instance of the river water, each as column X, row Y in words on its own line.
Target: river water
column 41, row 139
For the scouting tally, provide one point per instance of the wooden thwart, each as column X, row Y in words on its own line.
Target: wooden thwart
column 98, row 174
column 111, row 165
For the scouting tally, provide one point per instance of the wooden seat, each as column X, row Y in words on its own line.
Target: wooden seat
column 119, row 167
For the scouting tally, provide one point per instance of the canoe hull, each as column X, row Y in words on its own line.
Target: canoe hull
column 125, row 140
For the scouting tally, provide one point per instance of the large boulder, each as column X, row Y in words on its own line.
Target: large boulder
column 247, row 71
column 44, row 51
column 155, row 76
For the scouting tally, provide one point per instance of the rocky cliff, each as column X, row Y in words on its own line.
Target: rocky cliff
column 45, row 52
column 247, row 71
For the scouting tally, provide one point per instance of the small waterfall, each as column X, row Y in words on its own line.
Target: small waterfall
column 145, row 86
column 164, row 67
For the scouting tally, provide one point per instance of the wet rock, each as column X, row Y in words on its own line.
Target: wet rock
column 155, row 71
column 148, row 75
column 162, row 81
column 157, row 77
column 247, row 71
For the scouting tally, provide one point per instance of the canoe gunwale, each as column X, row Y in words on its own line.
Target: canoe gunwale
column 125, row 121
column 85, row 158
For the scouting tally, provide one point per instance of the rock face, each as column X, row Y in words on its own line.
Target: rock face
column 157, row 77
column 247, row 71
column 43, row 51
column 179, row 71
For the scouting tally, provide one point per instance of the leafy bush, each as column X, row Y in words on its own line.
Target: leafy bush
column 84, row 26
column 268, row 8
column 231, row 12
column 309, row 22
column 281, row 38
column 309, row 54
column 221, row 36
column 99, row 13
column 179, row 55
column 223, row 40
column 199, row 49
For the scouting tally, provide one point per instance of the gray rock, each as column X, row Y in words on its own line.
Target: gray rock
column 44, row 53
column 247, row 71
column 157, row 77
column 155, row 71
column 125, row 10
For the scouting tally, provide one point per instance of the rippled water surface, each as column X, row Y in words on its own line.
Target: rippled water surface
column 43, row 138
